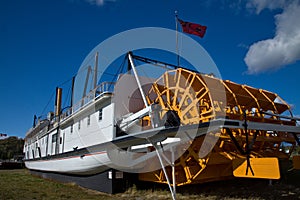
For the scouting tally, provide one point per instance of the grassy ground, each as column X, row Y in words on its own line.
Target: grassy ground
column 20, row 184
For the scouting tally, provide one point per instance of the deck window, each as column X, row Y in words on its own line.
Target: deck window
column 88, row 120
column 100, row 114
column 39, row 151
column 54, row 137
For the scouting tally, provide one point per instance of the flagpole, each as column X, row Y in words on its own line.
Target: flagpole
column 177, row 50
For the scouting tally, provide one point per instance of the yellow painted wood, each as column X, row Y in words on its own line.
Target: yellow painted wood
column 267, row 168
column 198, row 98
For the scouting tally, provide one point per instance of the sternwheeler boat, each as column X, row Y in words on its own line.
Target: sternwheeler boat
column 182, row 128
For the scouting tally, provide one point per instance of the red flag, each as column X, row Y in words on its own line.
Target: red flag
column 192, row 28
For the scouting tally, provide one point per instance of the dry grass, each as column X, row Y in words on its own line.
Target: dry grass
column 20, row 184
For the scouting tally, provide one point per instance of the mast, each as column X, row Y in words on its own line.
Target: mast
column 72, row 92
column 89, row 69
column 96, row 70
column 177, row 50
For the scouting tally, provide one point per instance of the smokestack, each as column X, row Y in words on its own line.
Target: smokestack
column 58, row 101
column 34, row 120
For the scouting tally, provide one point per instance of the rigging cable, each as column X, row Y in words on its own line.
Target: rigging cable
column 67, row 97
column 42, row 114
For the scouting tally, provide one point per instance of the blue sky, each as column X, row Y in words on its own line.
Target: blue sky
column 43, row 43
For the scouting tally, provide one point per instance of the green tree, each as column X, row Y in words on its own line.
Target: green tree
column 11, row 147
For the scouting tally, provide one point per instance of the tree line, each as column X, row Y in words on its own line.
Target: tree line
column 11, row 147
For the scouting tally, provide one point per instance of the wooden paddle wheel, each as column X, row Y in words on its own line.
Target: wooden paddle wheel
column 257, row 123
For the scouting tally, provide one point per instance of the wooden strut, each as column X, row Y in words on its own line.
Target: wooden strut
column 248, row 147
column 240, row 149
column 189, row 95
column 253, row 140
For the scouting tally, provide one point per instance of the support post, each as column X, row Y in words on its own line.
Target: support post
column 173, row 172
column 165, row 172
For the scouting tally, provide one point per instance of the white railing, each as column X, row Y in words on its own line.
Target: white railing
column 103, row 88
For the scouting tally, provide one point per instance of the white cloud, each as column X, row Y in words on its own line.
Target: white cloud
column 259, row 5
column 284, row 48
column 96, row 2
column 99, row 2
column 242, row 45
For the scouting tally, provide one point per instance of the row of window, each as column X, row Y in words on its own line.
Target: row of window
column 100, row 113
column 54, row 136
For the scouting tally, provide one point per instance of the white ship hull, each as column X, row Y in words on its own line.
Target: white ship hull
column 63, row 147
column 79, row 165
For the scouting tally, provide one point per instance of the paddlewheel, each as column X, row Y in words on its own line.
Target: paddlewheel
column 257, row 125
